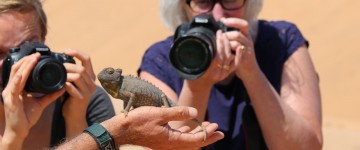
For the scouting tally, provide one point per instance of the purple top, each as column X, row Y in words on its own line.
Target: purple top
column 275, row 42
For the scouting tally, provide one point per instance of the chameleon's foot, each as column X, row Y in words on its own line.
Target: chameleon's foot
column 125, row 112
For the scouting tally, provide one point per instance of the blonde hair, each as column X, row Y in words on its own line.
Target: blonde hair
column 23, row 6
column 173, row 14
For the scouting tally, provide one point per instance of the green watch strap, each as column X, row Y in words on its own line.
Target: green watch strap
column 101, row 136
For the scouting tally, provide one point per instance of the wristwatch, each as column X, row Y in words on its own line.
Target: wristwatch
column 101, row 136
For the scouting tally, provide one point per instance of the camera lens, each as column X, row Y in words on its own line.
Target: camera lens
column 191, row 55
column 49, row 75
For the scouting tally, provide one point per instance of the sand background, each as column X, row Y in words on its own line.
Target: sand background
column 115, row 33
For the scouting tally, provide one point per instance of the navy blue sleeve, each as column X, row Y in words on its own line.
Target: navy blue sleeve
column 155, row 60
column 292, row 37
column 275, row 43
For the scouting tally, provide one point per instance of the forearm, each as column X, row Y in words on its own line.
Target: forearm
column 75, row 127
column 85, row 141
column 282, row 127
column 11, row 142
column 74, row 114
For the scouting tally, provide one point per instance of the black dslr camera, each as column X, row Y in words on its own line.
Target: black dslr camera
column 194, row 46
column 49, row 74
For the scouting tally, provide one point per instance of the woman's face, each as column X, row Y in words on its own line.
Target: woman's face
column 17, row 28
column 218, row 11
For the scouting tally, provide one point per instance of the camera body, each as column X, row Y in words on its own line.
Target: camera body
column 194, row 46
column 49, row 74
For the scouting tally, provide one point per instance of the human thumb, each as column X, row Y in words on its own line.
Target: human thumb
column 179, row 113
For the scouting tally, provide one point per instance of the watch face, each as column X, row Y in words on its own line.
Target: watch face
column 107, row 145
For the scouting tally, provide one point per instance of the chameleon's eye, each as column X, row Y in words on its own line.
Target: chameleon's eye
column 110, row 70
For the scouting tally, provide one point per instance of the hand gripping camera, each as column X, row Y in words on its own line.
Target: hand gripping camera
column 49, row 74
column 194, row 46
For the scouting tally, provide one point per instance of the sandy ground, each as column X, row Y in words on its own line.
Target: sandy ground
column 115, row 33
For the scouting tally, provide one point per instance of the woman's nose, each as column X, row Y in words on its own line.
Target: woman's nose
column 218, row 11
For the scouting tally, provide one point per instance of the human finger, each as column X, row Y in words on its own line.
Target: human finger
column 220, row 49
column 78, row 75
column 213, row 138
column 12, row 90
column 241, row 47
column 199, row 128
column 178, row 113
column 80, row 82
column 28, row 66
column 24, row 65
column 73, row 91
column 238, row 57
column 238, row 37
column 241, row 24
column 49, row 98
column 227, row 50
column 18, row 77
column 184, row 129
column 85, row 61
column 234, row 45
column 198, row 137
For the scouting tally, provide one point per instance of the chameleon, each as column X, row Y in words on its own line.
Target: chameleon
column 135, row 92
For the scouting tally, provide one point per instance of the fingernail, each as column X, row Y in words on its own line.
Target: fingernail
column 69, row 50
column 192, row 112
column 34, row 54
column 218, row 135
column 222, row 19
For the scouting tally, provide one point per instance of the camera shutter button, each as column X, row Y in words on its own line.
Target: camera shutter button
column 14, row 50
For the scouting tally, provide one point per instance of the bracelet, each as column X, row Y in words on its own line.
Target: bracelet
column 101, row 136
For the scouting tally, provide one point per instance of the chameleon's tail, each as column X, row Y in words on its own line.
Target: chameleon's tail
column 203, row 127
column 173, row 104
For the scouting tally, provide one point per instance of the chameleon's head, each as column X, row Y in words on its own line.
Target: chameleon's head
column 110, row 80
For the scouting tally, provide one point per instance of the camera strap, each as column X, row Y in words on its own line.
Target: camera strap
column 253, row 136
column 58, row 125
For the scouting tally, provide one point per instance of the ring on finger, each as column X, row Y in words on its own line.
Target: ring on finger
column 243, row 48
column 225, row 67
